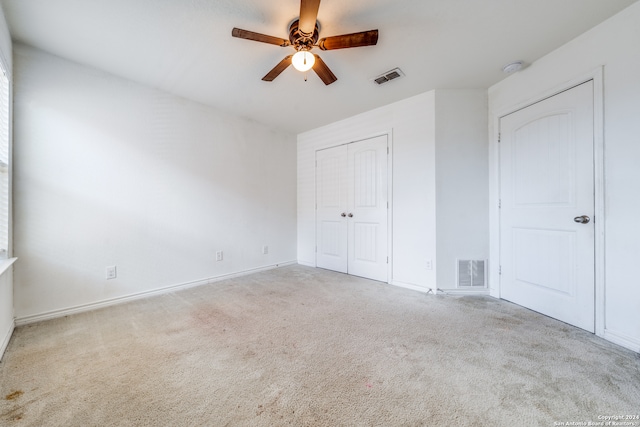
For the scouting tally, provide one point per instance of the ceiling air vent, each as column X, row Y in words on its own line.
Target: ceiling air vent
column 388, row 76
column 471, row 273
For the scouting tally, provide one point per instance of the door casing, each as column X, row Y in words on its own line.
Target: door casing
column 389, row 134
column 537, row 208
column 596, row 76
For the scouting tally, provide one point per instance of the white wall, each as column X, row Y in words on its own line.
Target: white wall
column 411, row 126
column 614, row 45
column 462, row 176
column 440, row 176
column 108, row 172
column 6, row 309
column 6, row 282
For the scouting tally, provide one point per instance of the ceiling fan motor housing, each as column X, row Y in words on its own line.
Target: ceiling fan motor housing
column 300, row 40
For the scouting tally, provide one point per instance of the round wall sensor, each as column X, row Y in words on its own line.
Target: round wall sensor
column 512, row 67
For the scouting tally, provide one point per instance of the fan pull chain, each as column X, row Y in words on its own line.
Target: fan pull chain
column 305, row 63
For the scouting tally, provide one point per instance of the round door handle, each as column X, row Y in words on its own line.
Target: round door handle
column 350, row 215
column 582, row 219
column 343, row 214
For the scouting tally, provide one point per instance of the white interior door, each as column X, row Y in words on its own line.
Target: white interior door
column 331, row 209
column 368, row 208
column 547, row 206
column 352, row 209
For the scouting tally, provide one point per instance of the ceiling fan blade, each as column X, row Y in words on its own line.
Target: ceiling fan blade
column 250, row 35
column 275, row 72
column 323, row 71
column 308, row 15
column 365, row 38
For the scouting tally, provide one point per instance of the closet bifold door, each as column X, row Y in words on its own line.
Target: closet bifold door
column 367, row 206
column 352, row 208
column 331, row 205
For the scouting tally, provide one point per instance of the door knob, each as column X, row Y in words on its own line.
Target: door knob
column 343, row 214
column 583, row 219
column 350, row 215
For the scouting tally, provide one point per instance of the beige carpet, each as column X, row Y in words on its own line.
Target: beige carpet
column 306, row 347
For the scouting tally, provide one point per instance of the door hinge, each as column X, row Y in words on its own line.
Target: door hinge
column 387, row 260
column 500, row 270
column 499, row 203
column 387, row 205
column 499, row 137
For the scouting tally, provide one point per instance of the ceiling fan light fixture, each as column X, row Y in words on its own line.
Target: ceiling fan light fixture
column 303, row 60
column 304, row 36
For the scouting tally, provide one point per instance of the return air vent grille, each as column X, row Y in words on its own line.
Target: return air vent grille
column 471, row 273
column 388, row 76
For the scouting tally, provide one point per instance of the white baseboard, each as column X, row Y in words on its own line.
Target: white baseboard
column 6, row 339
column 622, row 340
column 412, row 287
column 458, row 291
column 26, row 320
column 307, row 263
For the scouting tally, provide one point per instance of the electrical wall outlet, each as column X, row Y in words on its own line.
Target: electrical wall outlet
column 265, row 249
column 111, row 272
column 429, row 264
column 219, row 256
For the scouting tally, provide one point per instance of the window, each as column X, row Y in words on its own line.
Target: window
column 5, row 176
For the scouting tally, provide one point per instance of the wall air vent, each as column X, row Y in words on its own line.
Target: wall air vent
column 472, row 274
column 388, row 76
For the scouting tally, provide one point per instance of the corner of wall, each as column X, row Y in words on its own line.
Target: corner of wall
column 462, row 180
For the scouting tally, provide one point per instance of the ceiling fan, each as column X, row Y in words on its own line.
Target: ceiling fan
column 303, row 36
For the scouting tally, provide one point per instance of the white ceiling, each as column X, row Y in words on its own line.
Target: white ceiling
column 185, row 47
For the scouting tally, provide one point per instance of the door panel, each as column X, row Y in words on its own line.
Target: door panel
column 545, row 141
column 547, row 179
column 544, row 258
column 365, row 182
column 366, row 242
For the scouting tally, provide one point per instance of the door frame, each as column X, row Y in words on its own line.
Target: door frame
column 597, row 76
column 389, row 135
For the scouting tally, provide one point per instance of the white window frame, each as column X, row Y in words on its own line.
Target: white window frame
column 6, row 134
